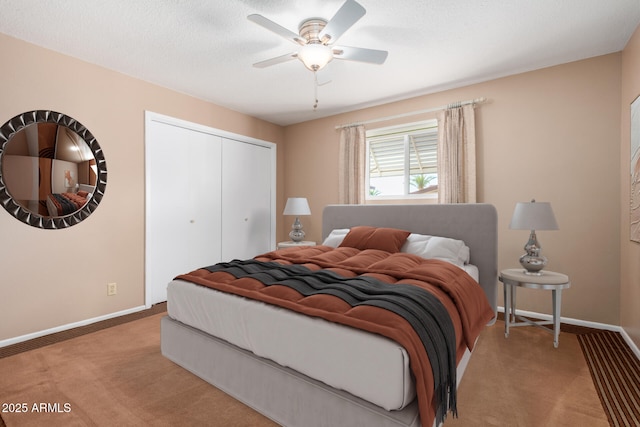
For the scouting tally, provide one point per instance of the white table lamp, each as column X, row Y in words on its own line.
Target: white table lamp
column 533, row 216
column 297, row 206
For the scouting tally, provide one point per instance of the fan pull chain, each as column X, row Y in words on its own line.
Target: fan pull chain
column 315, row 90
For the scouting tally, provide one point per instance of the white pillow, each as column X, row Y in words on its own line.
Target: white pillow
column 416, row 244
column 436, row 247
column 336, row 237
column 446, row 249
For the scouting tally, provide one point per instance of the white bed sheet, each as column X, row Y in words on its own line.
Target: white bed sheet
column 340, row 356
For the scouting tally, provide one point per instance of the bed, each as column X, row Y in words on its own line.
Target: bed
column 306, row 371
column 62, row 204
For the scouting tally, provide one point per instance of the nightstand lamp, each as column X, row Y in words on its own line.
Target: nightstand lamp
column 533, row 216
column 297, row 206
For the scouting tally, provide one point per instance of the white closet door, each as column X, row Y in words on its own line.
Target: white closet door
column 183, row 204
column 247, row 177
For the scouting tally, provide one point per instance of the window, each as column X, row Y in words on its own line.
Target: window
column 402, row 161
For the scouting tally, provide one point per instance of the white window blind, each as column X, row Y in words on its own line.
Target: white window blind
column 401, row 152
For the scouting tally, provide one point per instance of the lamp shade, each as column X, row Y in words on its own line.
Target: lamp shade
column 533, row 216
column 297, row 206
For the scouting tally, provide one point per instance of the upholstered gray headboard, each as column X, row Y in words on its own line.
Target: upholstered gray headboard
column 476, row 224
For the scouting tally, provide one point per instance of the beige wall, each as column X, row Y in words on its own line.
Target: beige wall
column 630, row 252
column 552, row 134
column 56, row 277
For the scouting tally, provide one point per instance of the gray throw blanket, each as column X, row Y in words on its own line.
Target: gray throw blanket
column 423, row 310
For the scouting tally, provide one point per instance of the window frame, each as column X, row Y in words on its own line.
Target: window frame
column 406, row 129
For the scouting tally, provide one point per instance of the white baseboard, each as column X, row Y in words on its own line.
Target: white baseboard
column 585, row 323
column 630, row 342
column 61, row 328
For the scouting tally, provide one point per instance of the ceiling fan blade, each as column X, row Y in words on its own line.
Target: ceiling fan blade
column 276, row 60
column 360, row 54
column 276, row 28
column 345, row 17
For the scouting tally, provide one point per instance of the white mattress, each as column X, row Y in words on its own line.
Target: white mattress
column 340, row 356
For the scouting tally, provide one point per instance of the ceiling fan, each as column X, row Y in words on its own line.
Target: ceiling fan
column 317, row 38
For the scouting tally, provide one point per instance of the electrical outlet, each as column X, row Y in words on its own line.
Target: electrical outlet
column 112, row 289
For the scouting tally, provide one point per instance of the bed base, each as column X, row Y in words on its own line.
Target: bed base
column 285, row 396
column 279, row 393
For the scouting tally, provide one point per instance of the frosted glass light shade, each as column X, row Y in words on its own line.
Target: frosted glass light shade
column 314, row 56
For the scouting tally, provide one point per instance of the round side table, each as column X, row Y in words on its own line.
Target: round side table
column 547, row 280
column 292, row 244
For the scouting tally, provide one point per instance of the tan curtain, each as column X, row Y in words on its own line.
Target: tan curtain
column 457, row 155
column 351, row 165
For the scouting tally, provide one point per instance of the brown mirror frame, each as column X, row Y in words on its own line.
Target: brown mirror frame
column 20, row 122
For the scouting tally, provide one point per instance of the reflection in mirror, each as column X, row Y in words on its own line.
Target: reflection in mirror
column 47, row 169
column 52, row 171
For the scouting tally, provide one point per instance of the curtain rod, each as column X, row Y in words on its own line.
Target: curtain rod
column 413, row 113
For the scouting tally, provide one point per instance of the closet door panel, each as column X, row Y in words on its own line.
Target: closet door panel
column 183, row 204
column 247, row 173
column 204, row 190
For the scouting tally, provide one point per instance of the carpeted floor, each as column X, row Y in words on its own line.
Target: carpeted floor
column 77, row 332
column 524, row 381
column 115, row 375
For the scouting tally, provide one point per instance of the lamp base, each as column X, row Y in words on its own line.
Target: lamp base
column 532, row 261
column 296, row 234
column 533, row 265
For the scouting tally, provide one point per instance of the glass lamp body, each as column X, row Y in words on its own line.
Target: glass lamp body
column 532, row 261
column 296, row 234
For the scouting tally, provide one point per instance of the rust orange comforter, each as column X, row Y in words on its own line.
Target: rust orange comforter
column 461, row 295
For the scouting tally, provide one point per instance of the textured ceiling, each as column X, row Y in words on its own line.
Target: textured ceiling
column 206, row 48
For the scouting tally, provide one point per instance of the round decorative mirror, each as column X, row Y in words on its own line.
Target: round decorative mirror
column 52, row 171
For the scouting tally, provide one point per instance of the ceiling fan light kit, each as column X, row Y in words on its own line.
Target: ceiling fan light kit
column 316, row 38
column 315, row 56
